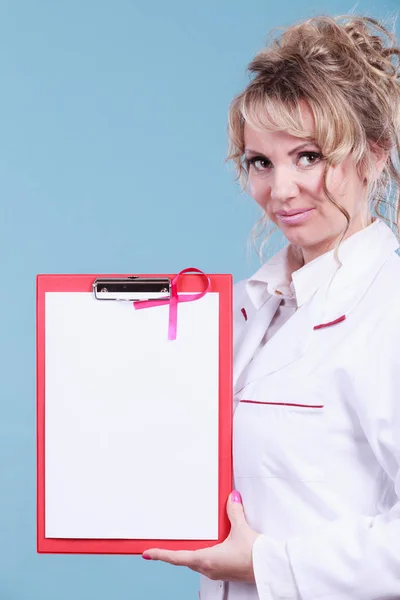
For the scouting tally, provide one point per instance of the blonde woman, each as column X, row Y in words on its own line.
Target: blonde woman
column 316, row 507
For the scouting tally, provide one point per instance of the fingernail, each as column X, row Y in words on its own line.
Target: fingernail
column 236, row 497
column 146, row 556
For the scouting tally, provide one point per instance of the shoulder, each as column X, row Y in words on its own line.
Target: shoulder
column 381, row 323
column 242, row 306
column 386, row 293
column 239, row 292
column 374, row 357
column 244, row 309
column 390, row 272
column 246, row 302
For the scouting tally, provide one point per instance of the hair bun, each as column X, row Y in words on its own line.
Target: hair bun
column 374, row 45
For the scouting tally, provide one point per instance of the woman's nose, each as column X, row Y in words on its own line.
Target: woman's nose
column 283, row 185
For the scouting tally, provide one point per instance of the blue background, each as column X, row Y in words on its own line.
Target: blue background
column 112, row 148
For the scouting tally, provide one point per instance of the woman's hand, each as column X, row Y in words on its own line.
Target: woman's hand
column 229, row 561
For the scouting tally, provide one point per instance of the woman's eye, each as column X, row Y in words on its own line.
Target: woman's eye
column 308, row 158
column 259, row 163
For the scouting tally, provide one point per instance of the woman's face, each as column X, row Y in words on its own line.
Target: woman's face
column 286, row 176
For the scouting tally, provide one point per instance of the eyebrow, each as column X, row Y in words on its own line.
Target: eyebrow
column 297, row 149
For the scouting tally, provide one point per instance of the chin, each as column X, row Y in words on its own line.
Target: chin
column 303, row 238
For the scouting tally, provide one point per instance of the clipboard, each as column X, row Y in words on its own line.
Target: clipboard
column 134, row 430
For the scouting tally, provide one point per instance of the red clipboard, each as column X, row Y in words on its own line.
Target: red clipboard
column 219, row 283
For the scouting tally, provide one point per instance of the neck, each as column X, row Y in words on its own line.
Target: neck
column 314, row 252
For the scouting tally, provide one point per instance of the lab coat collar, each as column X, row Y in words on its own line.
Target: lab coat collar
column 361, row 257
column 343, row 287
column 280, row 276
column 273, row 278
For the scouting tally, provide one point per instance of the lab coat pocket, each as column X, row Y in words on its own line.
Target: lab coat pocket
column 279, row 432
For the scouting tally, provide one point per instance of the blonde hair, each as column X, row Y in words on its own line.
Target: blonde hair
column 346, row 69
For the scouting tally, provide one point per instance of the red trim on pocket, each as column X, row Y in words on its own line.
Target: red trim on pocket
column 284, row 404
column 339, row 320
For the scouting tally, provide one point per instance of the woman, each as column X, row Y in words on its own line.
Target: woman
column 316, row 510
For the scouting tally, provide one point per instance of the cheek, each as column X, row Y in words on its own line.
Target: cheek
column 315, row 183
column 258, row 189
column 343, row 187
column 335, row 180
column 334, row 184
column 343, row 180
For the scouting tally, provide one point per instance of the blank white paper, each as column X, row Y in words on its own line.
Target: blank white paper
column 131, row 420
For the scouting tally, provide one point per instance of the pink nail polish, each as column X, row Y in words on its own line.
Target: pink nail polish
column 146, row 556
column 236, row 497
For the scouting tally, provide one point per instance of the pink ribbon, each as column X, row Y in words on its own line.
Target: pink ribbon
column 174, row 300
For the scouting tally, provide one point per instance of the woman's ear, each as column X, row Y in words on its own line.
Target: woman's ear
column 379, row 158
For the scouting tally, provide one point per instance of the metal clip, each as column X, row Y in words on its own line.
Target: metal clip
column 133, row 289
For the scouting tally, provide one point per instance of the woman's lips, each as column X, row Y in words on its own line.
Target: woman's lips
column 293, row 217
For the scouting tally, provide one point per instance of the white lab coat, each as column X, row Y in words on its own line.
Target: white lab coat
column 317, row 434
